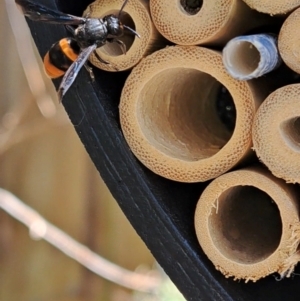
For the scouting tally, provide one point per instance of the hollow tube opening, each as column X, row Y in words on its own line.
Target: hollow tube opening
column 290, row 131
column 177, row 113
column 246, row 226
column 114, row 49
column 191, row 7
column 242, row 57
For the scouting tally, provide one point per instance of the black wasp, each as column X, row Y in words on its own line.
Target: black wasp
column 67, row 56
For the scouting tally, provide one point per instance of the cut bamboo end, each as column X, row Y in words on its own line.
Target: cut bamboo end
column 169, row 114
column 247, row 223
column 206, row 22
column 136, row 15
column 288, row 41
column 273, row 7
column 248, row 57
column 276, row 133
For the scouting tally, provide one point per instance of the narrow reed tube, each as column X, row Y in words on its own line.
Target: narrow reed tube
column 247, row 223
column 247, row 57
column 273, row 7
column 276, row 133
column 136, row 15
column 288, row 41
column 172, row 108
column 203, row 21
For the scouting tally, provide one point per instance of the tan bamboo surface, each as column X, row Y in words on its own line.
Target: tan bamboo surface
column 137, row 16
column 169, row 119
column 276, row 133
column 43, row 162
column 216, row 22
column 288, row 43
column 273, row 7
column 247, row 223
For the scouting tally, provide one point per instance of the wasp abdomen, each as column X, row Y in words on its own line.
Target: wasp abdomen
column 60, row 57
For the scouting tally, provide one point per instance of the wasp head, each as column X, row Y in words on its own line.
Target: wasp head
column 114, row 26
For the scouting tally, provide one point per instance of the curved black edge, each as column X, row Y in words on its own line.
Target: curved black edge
column 161, row 211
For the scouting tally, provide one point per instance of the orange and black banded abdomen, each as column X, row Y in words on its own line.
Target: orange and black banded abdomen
column 60, row 57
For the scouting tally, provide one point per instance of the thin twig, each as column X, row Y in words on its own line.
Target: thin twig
column 41, row 229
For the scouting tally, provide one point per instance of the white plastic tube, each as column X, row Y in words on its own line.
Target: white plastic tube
column 247, row 57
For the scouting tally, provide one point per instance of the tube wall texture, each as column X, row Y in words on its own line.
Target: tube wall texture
column 169, row 119
column 247, row 223
column 273, row 7
column 215, row 23
column 276, row 133
column 288, row 41
column 136, row 15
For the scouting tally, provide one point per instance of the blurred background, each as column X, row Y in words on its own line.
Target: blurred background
column 43, row 163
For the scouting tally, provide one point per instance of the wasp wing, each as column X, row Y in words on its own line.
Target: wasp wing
column 38, row 12
column 72, row 72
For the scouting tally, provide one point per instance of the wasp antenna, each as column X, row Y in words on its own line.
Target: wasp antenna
column 132, row 31
column 124, row 4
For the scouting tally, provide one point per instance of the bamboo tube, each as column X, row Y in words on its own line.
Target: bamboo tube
column 273, row 7
column 208, row 22
column 247, row 223
column 136, row 15
column 276, row 133
column 247, row 57
column 169, row 117
column 288, row 41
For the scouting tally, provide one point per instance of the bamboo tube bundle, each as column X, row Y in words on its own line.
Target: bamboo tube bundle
column 169, row 118
column 251, row 56
column 247, row 223
column 276, row 133
column 273, row 7
column 205, row 21
column 288, row 41
column 135, row 15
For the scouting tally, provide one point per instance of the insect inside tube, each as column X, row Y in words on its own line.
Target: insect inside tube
column 67, row 56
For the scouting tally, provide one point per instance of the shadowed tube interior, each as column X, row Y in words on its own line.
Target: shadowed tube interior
column 179, row 117
column 246, row 227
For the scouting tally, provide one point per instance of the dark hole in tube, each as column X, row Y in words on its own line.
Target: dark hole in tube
column 192, row 7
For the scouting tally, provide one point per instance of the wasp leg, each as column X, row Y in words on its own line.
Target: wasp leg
column 103, row 61
column 120, row 43
column 100, row 59
column 90, row 71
